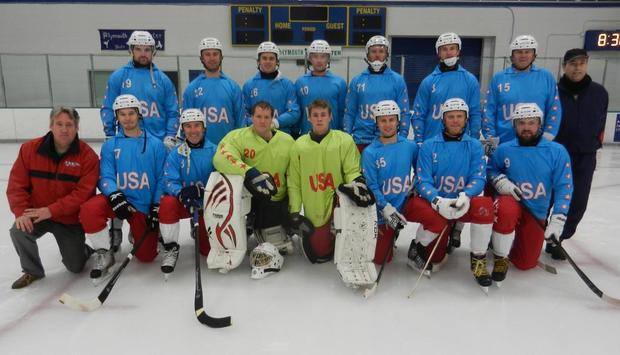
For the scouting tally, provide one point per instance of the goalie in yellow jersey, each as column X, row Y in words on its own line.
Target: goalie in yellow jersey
column 321, row 161
column 261, row 154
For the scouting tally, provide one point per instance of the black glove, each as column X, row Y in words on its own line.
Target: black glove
column 259, row 184
column 358, row 192
column 301, row 225
column 121, row 207
column 152, row 220
column 190, row 196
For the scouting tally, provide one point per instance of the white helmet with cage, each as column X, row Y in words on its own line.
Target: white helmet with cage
column 454, row 104
column 265, row 260
column 192, row 115
column 386, row 108
column 377, row 41
column 210, row 43
column 447, row 38
column 141, row 38
column 125, row 101
column 268, row 47
column 524, row 42
column 527, row 110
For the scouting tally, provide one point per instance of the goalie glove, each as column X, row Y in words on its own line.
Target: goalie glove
column 121, row 207
column 358, row 192
column 506, row 187
column 446, row 207
column 554, row 228
column 259, row 184
column 393, row 218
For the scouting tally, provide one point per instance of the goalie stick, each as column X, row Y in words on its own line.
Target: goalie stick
column 371, row 290
column 582, row 275
column 94, row 304
column 202, row 316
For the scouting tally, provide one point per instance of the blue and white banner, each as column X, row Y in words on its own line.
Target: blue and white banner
column 116, row 40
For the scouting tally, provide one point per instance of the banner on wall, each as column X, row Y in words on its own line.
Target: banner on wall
column 116, row 40
column 617, row 131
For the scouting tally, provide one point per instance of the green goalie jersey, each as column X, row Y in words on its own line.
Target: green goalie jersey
column 316, row 170
column 242, row 149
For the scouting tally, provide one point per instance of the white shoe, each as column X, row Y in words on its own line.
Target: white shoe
column 103, row 260
column 171, row 254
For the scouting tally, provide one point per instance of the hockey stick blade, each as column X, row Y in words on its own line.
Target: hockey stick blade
column 94, row 304
column 548, row 268
column 201, row 315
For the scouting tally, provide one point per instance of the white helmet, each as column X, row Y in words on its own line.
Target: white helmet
column 527, row 110
column 524, row 42
column 385, row 108
column 209, row 43
column 319, row 46
column 192, row 115
column 265, row 259
column 377, row 41
column 268, row 47
column 447, row 38
column 454, row 104
column 141, row 38
column 126, row 101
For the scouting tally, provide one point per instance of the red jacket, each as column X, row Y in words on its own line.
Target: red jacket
column 42, row 178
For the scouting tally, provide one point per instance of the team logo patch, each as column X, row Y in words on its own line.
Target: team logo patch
column 72, row 164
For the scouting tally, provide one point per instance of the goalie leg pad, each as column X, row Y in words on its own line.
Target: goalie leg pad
column 356, row 237
column 226, row 204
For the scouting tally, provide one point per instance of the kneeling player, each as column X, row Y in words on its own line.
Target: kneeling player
column 261, row 154
column 132, row 164
column 387, row 163
column 186, row 173
column 322, row 160
column 527, row 172
column 450, row 174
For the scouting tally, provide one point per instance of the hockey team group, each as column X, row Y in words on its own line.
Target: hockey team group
column 329, row 163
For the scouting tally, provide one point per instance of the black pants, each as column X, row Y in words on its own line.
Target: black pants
column 583, row 165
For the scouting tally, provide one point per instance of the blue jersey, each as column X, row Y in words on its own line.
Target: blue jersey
column 158, row 100
column 510, row 87
column 541, row 172
column 434, row 91
column 388, row 171
column 446, row 168
column 135, row 166
column 279, row 92
column 188, row 166
column 330, row 88
column 365, row 91
column 219, row 99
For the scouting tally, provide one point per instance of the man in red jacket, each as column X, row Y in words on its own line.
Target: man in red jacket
column 52, row 176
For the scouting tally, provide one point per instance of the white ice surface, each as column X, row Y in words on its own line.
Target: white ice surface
column 305, row 309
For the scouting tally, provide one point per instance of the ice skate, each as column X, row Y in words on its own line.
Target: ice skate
column 416, row 259
column 104, row 259
column 479, row 269
column 500, row 268
column 171, row 254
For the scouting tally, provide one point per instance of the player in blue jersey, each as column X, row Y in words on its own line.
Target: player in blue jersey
column 131, row 182
column 451, row 172
column 448, row 79
column 214, row 93
column 271, row 86
column 521, row 82
column 186, row 173
column 527, row 173
column 158, row 101
column 374, row 84
column 320, row 83
column 387, row 164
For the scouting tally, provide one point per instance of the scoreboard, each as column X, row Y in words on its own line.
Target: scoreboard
column 300, row 25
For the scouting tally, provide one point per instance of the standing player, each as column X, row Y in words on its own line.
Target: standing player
column 131, row 183
column 321, row 161
column 186, row 173
column 320, row 83
column 158, row 100
column 214, row 93
column 387, row 163
column 270, row 86
column 527, row 172
column 261, row 154
column 521, row 82
column 448, row 79
column 374, row 84
column 450, row 175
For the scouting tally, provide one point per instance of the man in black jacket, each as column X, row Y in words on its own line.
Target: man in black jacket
column 584, row 110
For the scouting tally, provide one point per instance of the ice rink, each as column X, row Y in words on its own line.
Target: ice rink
column 306, row 309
